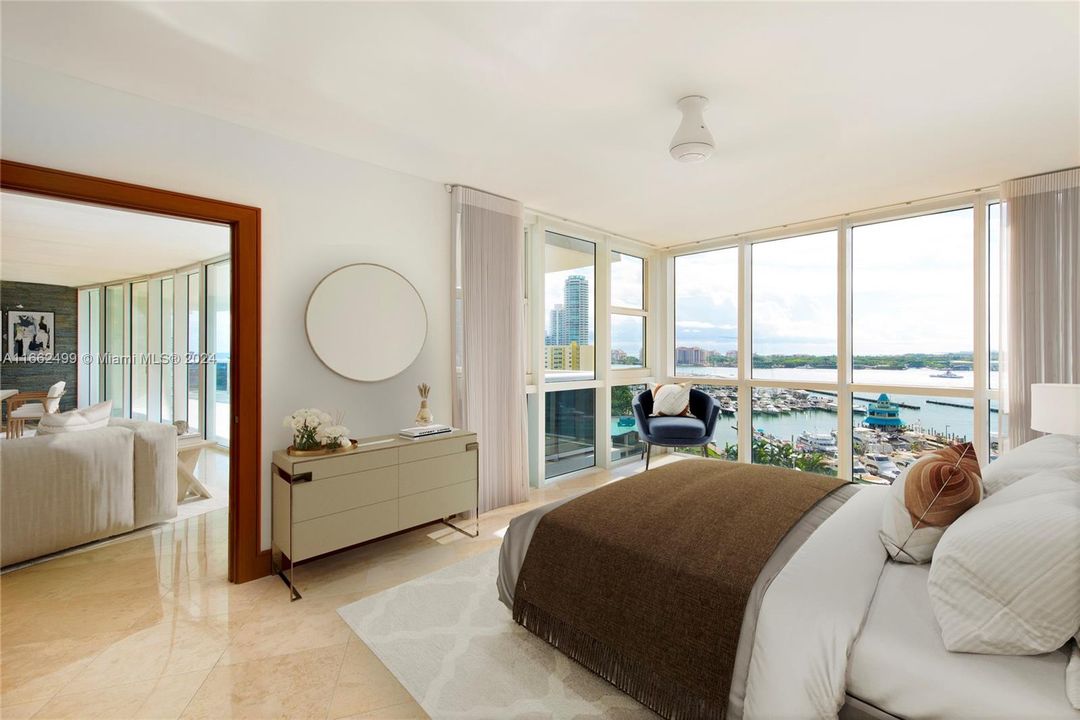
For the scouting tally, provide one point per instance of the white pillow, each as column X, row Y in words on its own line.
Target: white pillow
column 671, row 399
column 88, row 418
column 1006, row 575
column 1048, row 452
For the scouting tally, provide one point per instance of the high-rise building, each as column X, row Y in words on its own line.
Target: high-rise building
column 557, row 336
column 576, row 311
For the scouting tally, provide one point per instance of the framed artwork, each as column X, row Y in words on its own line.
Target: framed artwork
column 30, row 334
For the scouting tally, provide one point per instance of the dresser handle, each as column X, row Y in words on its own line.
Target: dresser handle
column 300, row 478
column 472, row 446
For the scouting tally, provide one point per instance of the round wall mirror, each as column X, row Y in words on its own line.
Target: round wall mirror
column 392, row 327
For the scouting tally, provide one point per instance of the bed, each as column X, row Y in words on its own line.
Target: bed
column 872, row 649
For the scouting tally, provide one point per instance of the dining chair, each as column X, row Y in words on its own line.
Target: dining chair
column 21, row 408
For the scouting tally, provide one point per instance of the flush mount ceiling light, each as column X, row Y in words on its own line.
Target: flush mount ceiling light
column 692, row 141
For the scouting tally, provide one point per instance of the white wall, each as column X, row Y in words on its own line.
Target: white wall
column 319, row 211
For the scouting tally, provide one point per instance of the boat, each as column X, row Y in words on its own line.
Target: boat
column 949, row 374
column 858, row 409
column 819, row 442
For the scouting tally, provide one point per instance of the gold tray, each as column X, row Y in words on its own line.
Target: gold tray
column 320, row 451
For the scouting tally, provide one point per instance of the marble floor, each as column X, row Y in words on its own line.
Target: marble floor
column 150, row 628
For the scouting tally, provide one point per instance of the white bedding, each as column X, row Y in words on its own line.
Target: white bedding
column 841, row 619
column 900, row 664
column 812, row 613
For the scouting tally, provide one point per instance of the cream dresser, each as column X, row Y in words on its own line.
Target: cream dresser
column 385, row 484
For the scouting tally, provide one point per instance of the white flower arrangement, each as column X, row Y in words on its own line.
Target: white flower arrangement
column 312, row 428
column 334, row 436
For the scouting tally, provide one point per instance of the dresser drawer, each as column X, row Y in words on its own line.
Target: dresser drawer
column 424, row 449
column 343, row 492
column 333, row 532
column 348, row 463
column 423, row 475
column 436, row 504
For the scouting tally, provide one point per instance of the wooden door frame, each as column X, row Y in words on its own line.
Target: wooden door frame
column 246, row 560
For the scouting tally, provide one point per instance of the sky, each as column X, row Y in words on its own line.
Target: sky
column 912, row 288
column 911, row 291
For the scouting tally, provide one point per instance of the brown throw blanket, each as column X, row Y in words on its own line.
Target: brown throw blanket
column 645, row 581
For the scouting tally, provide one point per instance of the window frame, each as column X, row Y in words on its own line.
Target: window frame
column 980, row 393
column 537, row 226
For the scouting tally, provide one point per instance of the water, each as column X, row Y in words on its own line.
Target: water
column 942, row 419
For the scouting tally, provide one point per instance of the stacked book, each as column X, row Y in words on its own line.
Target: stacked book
column 424, row 431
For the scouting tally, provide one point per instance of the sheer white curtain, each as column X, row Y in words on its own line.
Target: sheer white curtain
column 1041, row 290
column 489, row 340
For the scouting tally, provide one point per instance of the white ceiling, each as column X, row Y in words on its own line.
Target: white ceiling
column 57, row 242
column 817, row 108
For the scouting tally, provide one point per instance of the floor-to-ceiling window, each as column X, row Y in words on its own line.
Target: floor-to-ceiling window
column 218, row 323
column 851, row 346
column 139, row 349
column 569, row 353
column 114, row 349
column 194, row 373
column 89, row 344
column 168, row 348
column 164, row 344
column 588, row 307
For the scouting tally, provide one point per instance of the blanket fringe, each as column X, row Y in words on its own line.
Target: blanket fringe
column 672, row 702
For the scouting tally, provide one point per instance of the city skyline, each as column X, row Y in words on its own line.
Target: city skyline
column 571, row 321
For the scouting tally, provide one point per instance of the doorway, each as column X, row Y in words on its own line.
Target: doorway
column 215, row 393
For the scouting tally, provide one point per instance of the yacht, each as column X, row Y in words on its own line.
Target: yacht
column 819, row 442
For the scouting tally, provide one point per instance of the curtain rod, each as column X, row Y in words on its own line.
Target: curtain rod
column 450, row 188
column 838, row 216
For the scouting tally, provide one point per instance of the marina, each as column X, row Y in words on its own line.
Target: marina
column 798, row 428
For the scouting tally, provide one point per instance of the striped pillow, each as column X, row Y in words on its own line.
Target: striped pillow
column 1006, row 577
column 927, row 497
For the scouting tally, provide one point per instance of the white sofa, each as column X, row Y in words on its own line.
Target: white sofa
column 59, row 491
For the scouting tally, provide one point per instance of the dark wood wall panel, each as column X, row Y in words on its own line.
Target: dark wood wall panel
column 63, row 302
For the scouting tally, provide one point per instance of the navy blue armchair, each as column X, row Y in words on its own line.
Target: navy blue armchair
column 681, row 431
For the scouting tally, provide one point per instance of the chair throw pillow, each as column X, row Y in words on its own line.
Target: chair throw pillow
column 928, row 496
column 671, row 399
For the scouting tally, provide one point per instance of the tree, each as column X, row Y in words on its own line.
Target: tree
column 621, row 400
column 813, row 462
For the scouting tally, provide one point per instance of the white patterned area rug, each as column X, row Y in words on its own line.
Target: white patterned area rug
column 456, row 649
